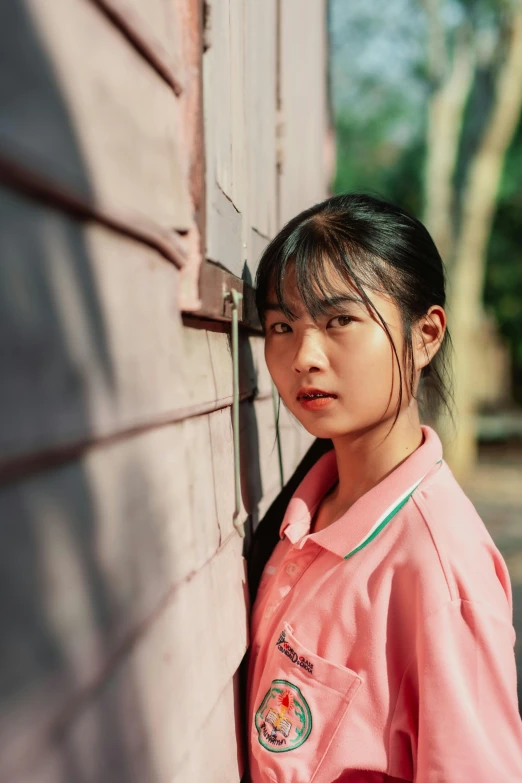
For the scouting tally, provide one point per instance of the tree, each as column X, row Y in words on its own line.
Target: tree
column 483, row 54
column 440, row 121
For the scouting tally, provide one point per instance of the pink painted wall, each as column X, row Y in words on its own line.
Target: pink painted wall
column 135, row 145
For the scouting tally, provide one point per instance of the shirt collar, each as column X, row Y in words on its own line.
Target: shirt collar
column 366, row 517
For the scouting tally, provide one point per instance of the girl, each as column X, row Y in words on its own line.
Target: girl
column 382, row 636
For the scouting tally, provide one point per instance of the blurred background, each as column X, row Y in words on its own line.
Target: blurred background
column 427, row 98
column 149, row 150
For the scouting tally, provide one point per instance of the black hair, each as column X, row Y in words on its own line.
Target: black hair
column 370, row 243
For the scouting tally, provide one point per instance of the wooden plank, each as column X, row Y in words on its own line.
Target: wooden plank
column 223, row 79
column 304, row 105
column 251, row 461
column 256, row 467
column 268, row 457
column 295, row 441
column 224, row 227
column 110, row 554
column 240, row 117
column 182, row 666
column 162, row 18
column 263, row 381
column 260, row 475
column 156, row 36
column 260, row 124
column 217, row 102
column 175, row 249
column 190, row 20
column 223, row 95
column 80, row 120
column 214, row 284
column 257, row 244
column 222, row 760
column 91, row 340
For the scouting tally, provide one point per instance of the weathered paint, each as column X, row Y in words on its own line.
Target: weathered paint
column 124, row 615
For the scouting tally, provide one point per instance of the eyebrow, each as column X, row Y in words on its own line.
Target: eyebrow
column 329, row 304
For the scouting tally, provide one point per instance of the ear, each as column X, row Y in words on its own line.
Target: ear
column 427, row 336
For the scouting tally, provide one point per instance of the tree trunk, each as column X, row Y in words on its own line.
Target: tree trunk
column 468, row 269
column 445, row 114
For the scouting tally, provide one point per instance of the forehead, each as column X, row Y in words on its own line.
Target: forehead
column 330, row 289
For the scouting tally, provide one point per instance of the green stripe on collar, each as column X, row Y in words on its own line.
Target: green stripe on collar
column 388, row 516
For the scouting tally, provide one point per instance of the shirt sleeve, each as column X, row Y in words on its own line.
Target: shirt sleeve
column 458, row 700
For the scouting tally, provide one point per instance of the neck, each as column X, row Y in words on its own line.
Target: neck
column 365, row 458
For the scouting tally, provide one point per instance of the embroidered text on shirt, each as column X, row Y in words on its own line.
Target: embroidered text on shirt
column 283, row 646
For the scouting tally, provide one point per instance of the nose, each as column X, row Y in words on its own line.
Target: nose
column 309, row 355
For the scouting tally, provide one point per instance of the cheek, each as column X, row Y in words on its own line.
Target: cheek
column 369, row 355
column 368, row 369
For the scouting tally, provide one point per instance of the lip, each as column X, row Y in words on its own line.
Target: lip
column 313, row 390
column 317, row 404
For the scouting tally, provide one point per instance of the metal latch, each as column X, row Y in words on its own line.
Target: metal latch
column 234, row 297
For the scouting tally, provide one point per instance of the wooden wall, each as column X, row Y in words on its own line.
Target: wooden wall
column 128, row 157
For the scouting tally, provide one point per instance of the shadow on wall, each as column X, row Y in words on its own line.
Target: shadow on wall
column 251, row 481
column 56, row 608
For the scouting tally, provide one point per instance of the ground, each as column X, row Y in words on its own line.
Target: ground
column 496, row 490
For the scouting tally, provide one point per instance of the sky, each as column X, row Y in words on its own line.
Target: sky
column 378, row 42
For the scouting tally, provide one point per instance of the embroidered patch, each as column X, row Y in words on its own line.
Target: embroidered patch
column 283, row 720
column 287, row 649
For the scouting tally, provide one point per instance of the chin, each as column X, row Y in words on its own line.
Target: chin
column 325, row 429
column 332, row 429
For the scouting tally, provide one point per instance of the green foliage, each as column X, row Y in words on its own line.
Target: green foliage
column 371, row 159
column 503, row 289
column 381, row 88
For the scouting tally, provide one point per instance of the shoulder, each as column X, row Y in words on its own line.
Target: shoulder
column 458, row 559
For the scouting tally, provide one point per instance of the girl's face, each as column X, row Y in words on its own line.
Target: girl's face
column 345, row 354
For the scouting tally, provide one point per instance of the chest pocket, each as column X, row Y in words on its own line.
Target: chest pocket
column 301, row 700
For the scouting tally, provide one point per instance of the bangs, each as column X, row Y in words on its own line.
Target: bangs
column 327, row 269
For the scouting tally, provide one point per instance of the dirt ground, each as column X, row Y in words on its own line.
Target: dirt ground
column 496, row 490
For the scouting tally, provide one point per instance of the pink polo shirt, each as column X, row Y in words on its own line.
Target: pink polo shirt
column 382, row 646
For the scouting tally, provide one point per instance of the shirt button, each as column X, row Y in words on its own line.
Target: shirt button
column 270, row 611
column 291, row 569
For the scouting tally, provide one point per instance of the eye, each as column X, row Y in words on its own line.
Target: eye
column 342, row 320
column 279, row 328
